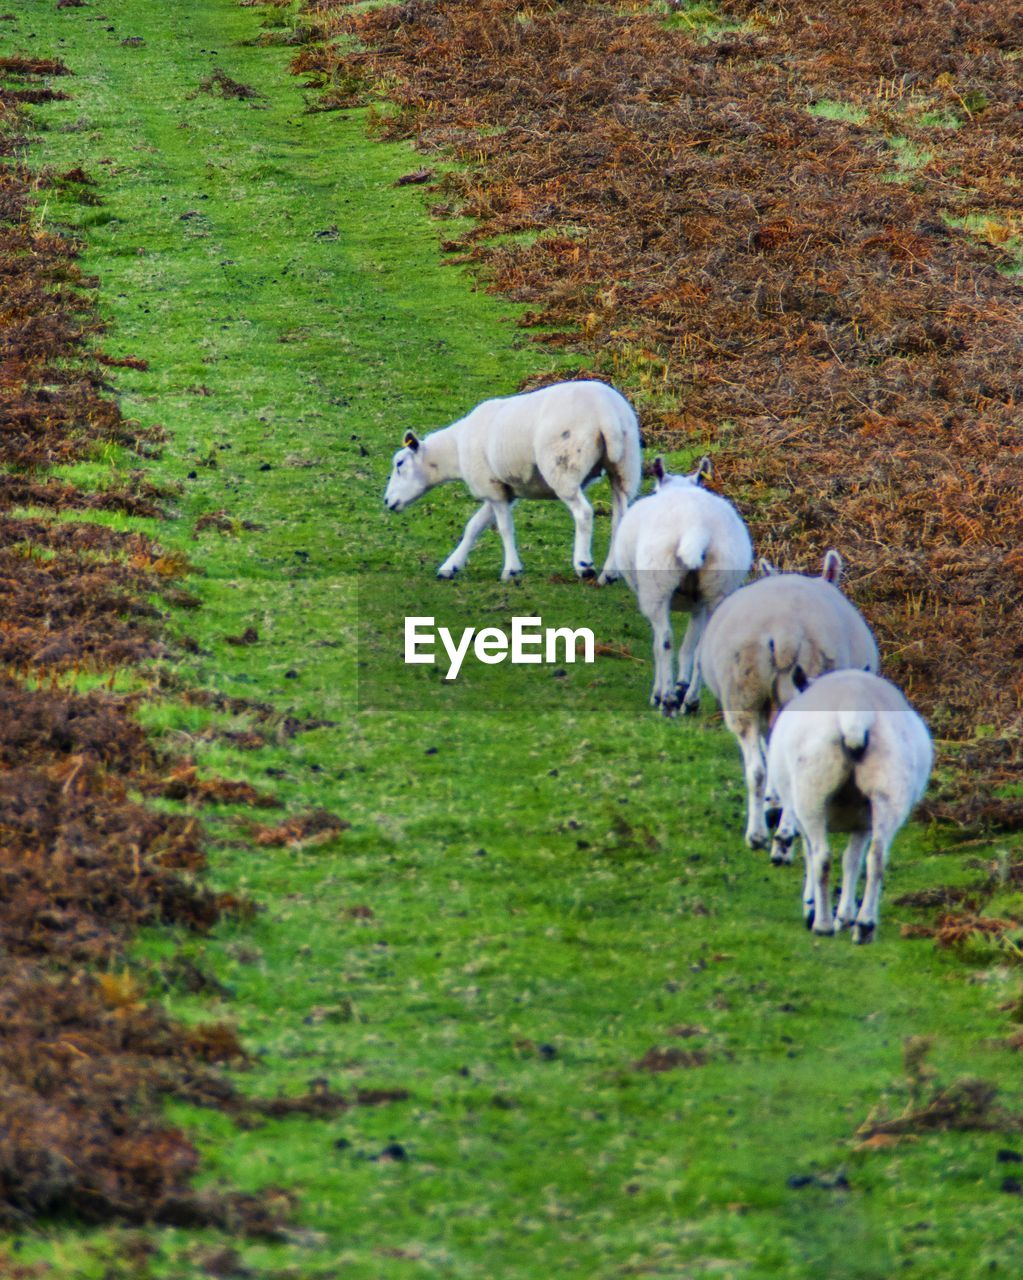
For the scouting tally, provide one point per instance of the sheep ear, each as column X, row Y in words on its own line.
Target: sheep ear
column 704, row 472
column 658, row 469
column 767, row 569
column 411, row 441
column 832, row 570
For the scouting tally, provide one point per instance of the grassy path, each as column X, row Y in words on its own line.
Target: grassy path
column 541, row 881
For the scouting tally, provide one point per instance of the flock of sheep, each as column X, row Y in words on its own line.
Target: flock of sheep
column 826, row 743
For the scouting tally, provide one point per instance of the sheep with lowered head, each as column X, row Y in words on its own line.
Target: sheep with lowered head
column 763, row 645
column 851, row 755
column 682, row 548
column 549, row 443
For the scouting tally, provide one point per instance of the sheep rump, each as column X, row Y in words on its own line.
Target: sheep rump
column 848, row 755
column 681, row 549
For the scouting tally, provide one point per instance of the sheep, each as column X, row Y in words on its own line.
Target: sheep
column 549, row 443
column 849, row 754
column 762, row 646
column 681, row 548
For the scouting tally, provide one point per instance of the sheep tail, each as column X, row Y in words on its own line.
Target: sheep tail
column 784, row 645
column 693, row 546
column 854, row 725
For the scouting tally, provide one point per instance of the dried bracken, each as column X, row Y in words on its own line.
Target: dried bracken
column 793, row 288
column 301, row 831
column 219, row 83
column 968, row 1103
column 184, row 783
column 959, row 930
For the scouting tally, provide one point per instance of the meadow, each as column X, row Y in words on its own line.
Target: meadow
column 622, row 1052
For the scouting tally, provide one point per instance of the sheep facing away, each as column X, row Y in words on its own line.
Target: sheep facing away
column 763, row 645
column 549, row 443
column 681, row 548
column 850, row 755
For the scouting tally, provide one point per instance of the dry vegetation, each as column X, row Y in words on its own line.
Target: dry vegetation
column 759, row 279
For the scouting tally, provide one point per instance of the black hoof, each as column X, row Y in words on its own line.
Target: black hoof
column 809, row 917
column 759, row 843
column 446, row 577
column 781, row 852
column 863, row 933
column 691, row 708
column 669, row 706
column 586, row 572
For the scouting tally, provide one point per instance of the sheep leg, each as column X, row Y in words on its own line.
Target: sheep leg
column 883, row 828
column 619, row 505
column 582, row 514
column 688, row 689
column 818, row 855
column 476, row 524
column 784, row 839
column 505, row 527
column 658, row 614
column 609, row 573
column 808, row 893
column 852, row 864
column 752, row 747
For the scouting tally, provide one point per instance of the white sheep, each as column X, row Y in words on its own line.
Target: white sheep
column 851, row 755
column 762, row 646
column 549, row 443
column 682, row 548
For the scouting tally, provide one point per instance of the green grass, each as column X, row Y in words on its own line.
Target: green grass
column 701, row 19
column 907, row 155
column 546, row 862
column 831, row 109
